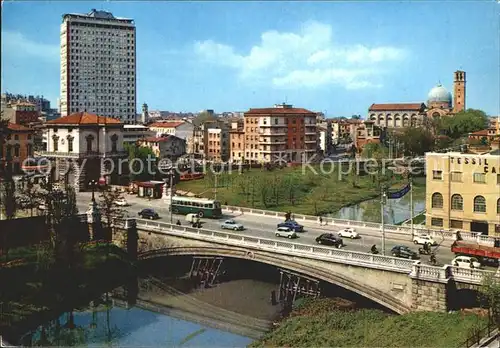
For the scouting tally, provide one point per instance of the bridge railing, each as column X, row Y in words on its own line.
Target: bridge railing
column 414, row 268
column 449, row 235
column 284, row 247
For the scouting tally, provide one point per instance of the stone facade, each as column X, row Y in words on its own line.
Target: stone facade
column 429, row 296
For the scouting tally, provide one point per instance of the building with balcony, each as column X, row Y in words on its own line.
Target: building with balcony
column 82, row 147
column 280, row 134
column 169, row 146
column 463, row 191
column 237, row 142
column 366, row 133
column 217, row 144
column 17, row 146
column 98, row 65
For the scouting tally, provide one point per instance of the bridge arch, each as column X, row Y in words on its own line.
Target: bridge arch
column 285, row 262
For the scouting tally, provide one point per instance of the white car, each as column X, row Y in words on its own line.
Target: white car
column 285, row 232
column 424, row 239
column 348, row 233
column 466, row 262
column 121, row 202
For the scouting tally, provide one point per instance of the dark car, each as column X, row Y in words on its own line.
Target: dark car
column 292, row 224
column 149, row 214
column 330, row 239
column 404, row 252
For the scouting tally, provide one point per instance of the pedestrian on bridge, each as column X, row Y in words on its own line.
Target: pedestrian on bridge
column 320, row 220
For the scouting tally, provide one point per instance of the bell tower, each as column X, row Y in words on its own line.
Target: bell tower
column 459, row 91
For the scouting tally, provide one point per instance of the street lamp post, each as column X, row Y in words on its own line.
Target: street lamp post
column 93, row 184
column 411, row 204
column 383, row 199
column 171, row 194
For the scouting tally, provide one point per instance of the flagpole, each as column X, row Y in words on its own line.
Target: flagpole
column 382, row 204
column 411, row 206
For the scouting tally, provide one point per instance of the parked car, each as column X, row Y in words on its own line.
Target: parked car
column 148, row 213
column 121, row 202
column 330, row 239
column 285, row 232
column 293, row 225
column 231, row 225
column 404, row 252
column 466, row 262
column 424, row 239
column 349, row 233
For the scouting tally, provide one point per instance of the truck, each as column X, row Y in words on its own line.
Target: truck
column 485, row 254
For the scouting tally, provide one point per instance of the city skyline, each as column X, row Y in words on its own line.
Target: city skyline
column 333, row 57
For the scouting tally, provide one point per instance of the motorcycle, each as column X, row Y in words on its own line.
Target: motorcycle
column 423, row 251
column 374, row 251
column 432, row 259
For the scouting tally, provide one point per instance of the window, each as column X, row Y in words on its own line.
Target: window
column 480, row 178
column 437, row 222
column 437, row 200
column 479, row 204
column 16, row 150
column 89, row 140
column 437, row 175
column 498, row 179
column 275, row 121
column 70, row 143
column 457, row 202
column 55, row 141
column 498, row 206
column 16, row 137
column 29, row 149
column 456, row 224
column 456, row 176
column 497, row 228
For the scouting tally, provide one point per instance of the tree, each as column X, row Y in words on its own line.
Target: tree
column 416, row 141
column 464, row 122
column 107, row 205
column 9, row 199
column 264, row 192
column 490, row 293
column 138, row 155
column 356, row 117
column 377, row 152
column 203, row 117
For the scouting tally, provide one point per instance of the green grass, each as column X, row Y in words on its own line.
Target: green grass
column 320, row 323
column 291, row 189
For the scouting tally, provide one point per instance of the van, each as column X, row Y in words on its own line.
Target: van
column 192, row 218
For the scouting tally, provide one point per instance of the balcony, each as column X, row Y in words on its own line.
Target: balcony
column 92, row 154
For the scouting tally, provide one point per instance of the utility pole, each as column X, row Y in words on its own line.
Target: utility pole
column 382, row 205
column 411, row 204
column 171, row 194
column 215, row 187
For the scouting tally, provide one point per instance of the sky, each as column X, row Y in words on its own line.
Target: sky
column 332, row 57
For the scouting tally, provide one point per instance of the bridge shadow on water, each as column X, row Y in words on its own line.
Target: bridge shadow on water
column 176, row 270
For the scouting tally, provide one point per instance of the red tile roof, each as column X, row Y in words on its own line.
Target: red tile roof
column 166, row 124
column 489, row 131
column 397, row 107
column 81, row 118
column 18, row 128
column 278, row 111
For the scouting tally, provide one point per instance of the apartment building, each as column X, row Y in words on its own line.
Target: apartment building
column 180, row 129
column 217, row 148
column 237, row 142
column 280, row 134
column 169, row 146
column 17, row 146
column 135, row 132
column 21, row 113
column 463, row 191
column 98, row 65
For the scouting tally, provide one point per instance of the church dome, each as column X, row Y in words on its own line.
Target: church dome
column 439, row 94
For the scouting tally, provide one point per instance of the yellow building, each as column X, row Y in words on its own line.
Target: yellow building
column 463, row 191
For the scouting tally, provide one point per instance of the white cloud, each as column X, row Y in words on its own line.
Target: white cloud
column 16, row 43
column 309, row 58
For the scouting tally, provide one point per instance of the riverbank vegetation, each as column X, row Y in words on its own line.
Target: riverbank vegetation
column 37, row 287
column 334, row 323
column 302, row 191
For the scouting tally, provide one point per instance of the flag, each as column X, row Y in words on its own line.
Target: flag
column 400, row 193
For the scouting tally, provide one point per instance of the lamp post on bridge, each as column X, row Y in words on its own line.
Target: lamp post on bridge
column 383, row 201
column 93, row 184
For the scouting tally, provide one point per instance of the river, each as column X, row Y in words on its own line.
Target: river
column 396, row 210
column 163, row 316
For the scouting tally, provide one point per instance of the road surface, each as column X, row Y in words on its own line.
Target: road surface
column 264, row 226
